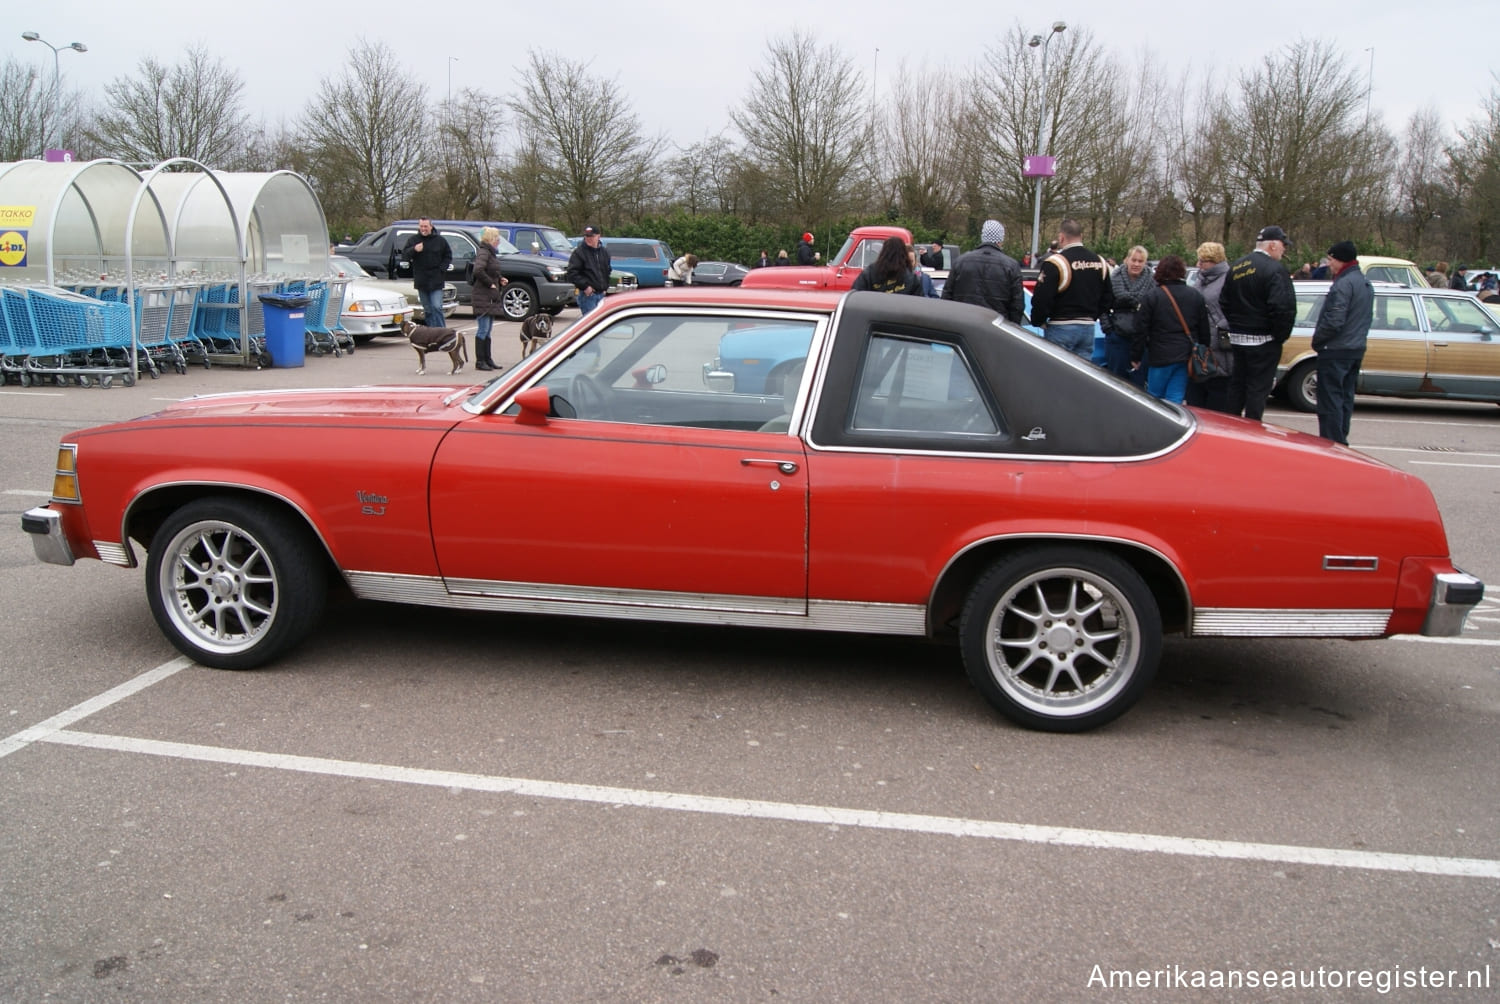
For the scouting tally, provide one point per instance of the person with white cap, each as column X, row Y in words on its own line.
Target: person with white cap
column 1260, row 306
column 988, row 277
column 1339, row 339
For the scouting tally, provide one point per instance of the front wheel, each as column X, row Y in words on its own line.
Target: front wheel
column 234, row 583
column 517, row 301
column 1061, row 638
column 1302, row 386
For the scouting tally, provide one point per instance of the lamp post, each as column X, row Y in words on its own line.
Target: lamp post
column 32, row 36
column 1058, row 27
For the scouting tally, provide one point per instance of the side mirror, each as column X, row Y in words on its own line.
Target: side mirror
column 535, row 404
column 718, row 381
column 648, row 376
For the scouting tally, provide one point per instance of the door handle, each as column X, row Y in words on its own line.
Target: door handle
column 784, row 466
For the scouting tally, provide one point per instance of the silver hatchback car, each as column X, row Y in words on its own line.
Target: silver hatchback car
column 1424, row 343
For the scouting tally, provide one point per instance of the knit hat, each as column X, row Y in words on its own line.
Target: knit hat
column 807, row 237
column 1343, row 251
column 993, row 232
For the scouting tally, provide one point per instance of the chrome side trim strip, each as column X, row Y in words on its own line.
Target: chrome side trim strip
column 1266, row 623
column 115, row 554
column 640, row 604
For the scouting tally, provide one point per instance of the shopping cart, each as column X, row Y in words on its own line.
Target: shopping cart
column 67, row 337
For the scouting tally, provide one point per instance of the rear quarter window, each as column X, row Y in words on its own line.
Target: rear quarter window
column 632, row 249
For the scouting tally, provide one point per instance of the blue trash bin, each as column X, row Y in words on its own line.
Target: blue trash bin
column 286, row 328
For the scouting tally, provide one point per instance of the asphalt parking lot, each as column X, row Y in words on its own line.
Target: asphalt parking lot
column 425, row 805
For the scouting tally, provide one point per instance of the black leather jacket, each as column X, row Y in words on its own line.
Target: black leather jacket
column 989, row 278
column 1258, row 298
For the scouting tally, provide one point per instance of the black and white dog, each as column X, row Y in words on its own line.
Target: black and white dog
column 535, row 330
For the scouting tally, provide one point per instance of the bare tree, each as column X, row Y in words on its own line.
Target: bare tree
column 1299, row 139
column 367, row 127
column 26, row 106
column 1000, row 126
column 467, row 181
column 1198, row 159
column 924, row 160
column 596, row 162
column 806, row 128
column 1475, row 161
column 192, row 109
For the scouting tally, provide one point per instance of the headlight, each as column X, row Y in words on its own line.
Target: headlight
column 365, row 306
column 555, row 272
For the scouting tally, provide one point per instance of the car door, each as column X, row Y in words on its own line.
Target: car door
column 1396, row 352
column 1463, row 358
column 643, row 488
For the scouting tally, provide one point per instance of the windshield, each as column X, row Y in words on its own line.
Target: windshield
column 503, row 246
column 341, row 266
column 555, row 240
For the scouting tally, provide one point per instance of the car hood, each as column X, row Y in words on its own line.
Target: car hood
column 790, row 276
column 391, row 402
column 374, row 289
column 535, row 259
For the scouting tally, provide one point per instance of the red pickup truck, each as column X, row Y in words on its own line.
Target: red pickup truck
column 861, row 249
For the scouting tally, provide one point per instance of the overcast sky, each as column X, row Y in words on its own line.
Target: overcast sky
column 683, row 73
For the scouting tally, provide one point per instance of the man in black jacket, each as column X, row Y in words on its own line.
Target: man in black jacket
column 805, row 253
column 933, row 256
column 988, row 276
column 588, row 271
column 1072, row 292
column 1259, row 305
column 1339, row 340
column 430, row 257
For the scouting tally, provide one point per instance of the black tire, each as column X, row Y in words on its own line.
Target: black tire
column 234, row 583
column 1061, row 638
column 363, row 339
column 517, row 300
column 1302, row 386
column 553, row 311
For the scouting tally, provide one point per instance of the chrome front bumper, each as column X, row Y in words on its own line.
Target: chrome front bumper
column 1454, row 594
column 45, row 527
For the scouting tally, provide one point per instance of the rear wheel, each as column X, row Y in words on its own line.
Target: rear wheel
column 1061, row 638
column 234, row 583
column 1302, row 386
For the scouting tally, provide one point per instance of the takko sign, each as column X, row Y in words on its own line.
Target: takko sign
column 15, row 221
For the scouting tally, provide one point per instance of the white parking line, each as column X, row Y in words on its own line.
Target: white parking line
column 26, row 491
column 53, row 731
column 1440, row 463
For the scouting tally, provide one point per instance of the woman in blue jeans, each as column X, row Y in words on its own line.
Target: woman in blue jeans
column 1172, row 317
column 486, row 301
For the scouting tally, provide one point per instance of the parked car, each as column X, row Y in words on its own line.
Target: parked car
column 534, row 238
column 860, row 248
column 378, row 306
column 1424, row 343
column 1394, row 270
column 534, row 283
column 719, row 273
column 647, row 260
column 929, row 470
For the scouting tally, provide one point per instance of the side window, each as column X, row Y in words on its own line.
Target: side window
column 705, row 371
column 523, row 239
column 866, row 253
column 917, row 386
column 1396, row 313
column 462, row 247
column 1456, row 315
column 1308, row 309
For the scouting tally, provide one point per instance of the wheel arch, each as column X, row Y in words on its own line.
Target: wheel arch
column 964, row 569
column 150, row 509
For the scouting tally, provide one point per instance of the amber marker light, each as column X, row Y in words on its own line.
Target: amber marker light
column 65, row 480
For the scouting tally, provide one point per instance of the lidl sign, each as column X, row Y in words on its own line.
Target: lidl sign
column 15, row 224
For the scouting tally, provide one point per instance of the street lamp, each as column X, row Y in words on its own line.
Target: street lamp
column 1041, row 169
column 32, row 36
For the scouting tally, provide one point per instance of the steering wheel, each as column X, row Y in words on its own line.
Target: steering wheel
column 588, row 397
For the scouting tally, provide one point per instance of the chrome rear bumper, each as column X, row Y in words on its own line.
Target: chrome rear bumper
column 1454, row 594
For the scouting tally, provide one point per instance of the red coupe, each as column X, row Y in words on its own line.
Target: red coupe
column 921, row 468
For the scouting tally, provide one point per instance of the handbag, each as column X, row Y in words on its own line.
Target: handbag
column 1206, row 362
